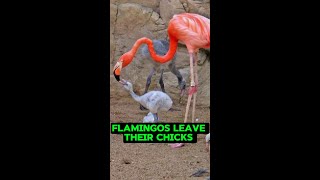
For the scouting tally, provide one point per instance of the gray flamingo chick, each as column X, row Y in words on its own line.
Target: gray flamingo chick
column 162, row 47
column 155, row 101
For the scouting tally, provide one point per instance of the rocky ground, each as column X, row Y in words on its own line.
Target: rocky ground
column 154, row 161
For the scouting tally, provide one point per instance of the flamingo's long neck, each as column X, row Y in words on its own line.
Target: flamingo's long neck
column 161, row 59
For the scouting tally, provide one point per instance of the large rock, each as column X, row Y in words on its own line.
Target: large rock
column 134, row 19
column 153, row 4
column 201, row 7
column 168, row 8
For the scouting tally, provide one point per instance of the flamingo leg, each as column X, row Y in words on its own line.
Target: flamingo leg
column 161, row 81
column 162, row 85
column 149, row 80
column 196, row 84
column 187, row 108
column 181, row 82
column 147, row 85
column 192, row 89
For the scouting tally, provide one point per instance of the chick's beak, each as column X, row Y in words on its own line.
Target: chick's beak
column 123, row 82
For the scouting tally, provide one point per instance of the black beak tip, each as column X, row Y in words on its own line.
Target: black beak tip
column 116, row 76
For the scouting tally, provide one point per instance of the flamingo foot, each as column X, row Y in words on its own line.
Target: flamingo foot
column 177, row 145
column 192, row 90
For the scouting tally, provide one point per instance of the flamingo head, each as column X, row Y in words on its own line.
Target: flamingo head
column 123, row 61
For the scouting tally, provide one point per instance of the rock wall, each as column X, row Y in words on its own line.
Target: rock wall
column 133, row 19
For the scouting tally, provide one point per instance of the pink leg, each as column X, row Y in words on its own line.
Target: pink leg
column 192, row 90
column 196, row 85
column 187, row 109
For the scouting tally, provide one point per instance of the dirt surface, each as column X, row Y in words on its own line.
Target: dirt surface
column 155, row 161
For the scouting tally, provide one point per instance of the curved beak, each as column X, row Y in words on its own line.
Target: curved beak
column 117, row 71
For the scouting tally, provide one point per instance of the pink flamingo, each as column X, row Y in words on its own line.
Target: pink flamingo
column 194, row 31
